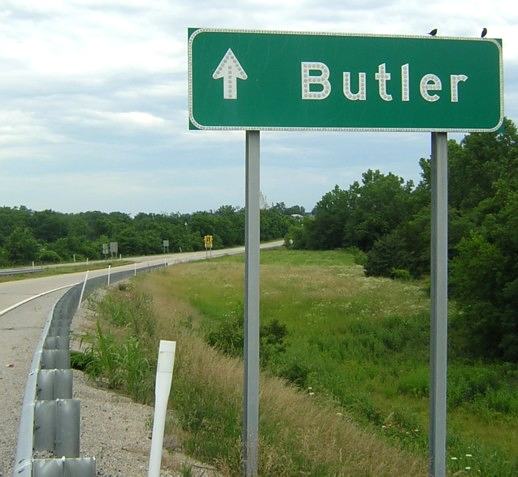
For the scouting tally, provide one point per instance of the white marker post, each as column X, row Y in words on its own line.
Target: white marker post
column 251, row 318
column 164, row 377
column 109, row 274
column 82, row 290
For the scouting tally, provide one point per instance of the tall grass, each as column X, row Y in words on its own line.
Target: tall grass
column 354, row 351
column 118, row 350
column 299, row 435
column 362, row 342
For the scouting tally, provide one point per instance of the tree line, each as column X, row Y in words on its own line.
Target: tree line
column 386, row 220
column 50, row 237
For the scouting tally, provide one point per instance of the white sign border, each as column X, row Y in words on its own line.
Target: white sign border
column 198, row 31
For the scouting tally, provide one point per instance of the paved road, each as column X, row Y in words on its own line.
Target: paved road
column 14, row 292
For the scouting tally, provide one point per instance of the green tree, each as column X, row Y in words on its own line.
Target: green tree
column 484, row 277
column 21, row 246
column 377, row 207
column 326, row 230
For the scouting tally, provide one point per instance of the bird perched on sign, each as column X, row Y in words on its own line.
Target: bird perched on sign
column 433, row 32
column 484, row 33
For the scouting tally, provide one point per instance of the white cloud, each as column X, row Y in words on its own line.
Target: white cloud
column 131, row 118
column 22, row 128
column 86, row 84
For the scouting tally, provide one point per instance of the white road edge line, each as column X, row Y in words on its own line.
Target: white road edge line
column 20, row 303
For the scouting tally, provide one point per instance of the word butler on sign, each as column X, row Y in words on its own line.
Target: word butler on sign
column 256, row 80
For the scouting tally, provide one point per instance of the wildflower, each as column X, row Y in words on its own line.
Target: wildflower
column 467, row 468
column 454, row 458
column 311, row 394
column 469, row 455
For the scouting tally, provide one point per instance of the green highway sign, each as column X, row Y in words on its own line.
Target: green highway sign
column 261, row 80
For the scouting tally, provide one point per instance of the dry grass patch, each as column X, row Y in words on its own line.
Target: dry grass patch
column 300, row 435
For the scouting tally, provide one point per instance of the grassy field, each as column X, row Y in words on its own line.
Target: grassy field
column 354, row 351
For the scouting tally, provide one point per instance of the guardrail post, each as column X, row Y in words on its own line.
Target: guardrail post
column 67, row 428
column 57, row 342
column 56, row 427
column 55, row 359
column 84, row 467
column 54, row 384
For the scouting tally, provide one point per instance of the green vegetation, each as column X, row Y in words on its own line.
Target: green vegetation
column 52, row 237
column 365, row 342
column 352, row 345
column 122, row 360
column 389, row 220
column 299, row 434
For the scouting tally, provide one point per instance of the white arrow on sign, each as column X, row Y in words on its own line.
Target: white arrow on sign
column 230, row 70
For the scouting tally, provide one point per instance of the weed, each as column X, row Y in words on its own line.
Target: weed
column 228, row 336
column 186, row 470
column 296, row 373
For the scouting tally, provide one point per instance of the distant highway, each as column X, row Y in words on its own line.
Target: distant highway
column 15, row 292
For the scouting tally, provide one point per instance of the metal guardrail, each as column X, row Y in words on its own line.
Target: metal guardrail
column 50, row 418
column 19, row 271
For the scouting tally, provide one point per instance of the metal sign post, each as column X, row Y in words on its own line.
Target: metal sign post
column 165, row 246
column 439, row 305
column 251, row 318
column 114, row 249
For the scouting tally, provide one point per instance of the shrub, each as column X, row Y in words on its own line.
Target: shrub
column 467, row 383
column 360, row 257
column 296, row 373
column 49, row 256
column 227, row 336
column 401, row 274
column 386, row 255
column 485, row 285
column 415, row 382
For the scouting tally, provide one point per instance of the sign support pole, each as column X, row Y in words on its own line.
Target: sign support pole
column 439, row 304
column 251, row 318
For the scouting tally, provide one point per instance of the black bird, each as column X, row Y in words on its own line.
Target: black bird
column 433, row 32
column 484, row 33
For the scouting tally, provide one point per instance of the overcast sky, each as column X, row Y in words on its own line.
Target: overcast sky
column 93, row 102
